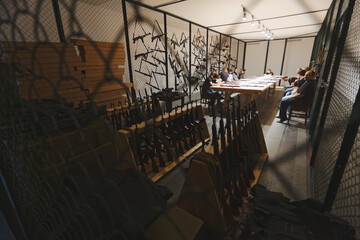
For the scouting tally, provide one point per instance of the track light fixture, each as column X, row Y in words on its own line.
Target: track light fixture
column 252, row 21
column 260, row 26
column 244, row 14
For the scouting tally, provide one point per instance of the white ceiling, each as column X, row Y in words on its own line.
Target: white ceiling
column 288, row 18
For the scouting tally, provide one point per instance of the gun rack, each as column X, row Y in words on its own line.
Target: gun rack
column 220, row 178
column 163, row 142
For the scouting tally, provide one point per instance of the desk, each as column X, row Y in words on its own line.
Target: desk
column 248, row 87
column 169, row 99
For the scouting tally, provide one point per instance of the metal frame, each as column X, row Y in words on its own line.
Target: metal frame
column 59, row 24
column 283, row 58
column 266, row 56
column 340, row 47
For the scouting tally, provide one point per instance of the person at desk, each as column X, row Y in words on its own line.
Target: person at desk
column 294, row 86
column 231, row 76
column 292, row 79
column 242, row 73
column 224, row 74
column 269, row 72
column 206, row 90
column 235, row 74
column 301, row 98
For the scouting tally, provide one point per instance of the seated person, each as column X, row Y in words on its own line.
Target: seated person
column 207, row 91
column 235, row 74
column 294, row 87
column 215, row 75
column 289, row 79
column 224, row 74
column 269, row 72
column 230, row 77
column 242, row 73
column 301, row 98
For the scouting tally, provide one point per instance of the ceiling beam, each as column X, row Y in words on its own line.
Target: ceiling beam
column 277, row 39
column 266, row 19
column 275, row 29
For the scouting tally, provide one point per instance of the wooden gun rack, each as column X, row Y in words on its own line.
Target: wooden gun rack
column 201, row 194
column 131, row 132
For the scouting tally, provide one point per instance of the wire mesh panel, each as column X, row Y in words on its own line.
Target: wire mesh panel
column 147, row 45
column 178, row 54
column 94, row 21
column 213, row 51
column 198, row 56
column 68, row 173
column 345, row 90
column 31, row 21
column 225, row 57
column 347, row 203
column 233, row 54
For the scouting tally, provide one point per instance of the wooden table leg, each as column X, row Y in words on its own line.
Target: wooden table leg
column 226, row 99
column 249, row 97
column 266, row 93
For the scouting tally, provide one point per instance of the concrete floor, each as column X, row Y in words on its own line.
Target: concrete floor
column 287, row 169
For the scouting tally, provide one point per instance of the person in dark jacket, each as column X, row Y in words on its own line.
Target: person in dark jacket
column 301, row 98
column 207, row 91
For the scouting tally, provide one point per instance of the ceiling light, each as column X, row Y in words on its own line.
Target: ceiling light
column 272, row 37
column 244, row 16
column 253, row 21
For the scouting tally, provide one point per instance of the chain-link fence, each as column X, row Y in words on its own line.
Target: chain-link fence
column 336, row 104
column 66, row 170
column 65, row 77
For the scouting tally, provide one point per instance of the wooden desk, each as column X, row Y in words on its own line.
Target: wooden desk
column 248, row 87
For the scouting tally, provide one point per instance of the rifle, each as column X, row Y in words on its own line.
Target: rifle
column 215, row 142
column 159, row 35
column 228, row 210
column 144, row 54
column 191, row 124
column 157, row 50
column 117, row 119
column 164, row 130
column 159, row 60
column 140, row 37
column 150, row 147
column 172, row 134
column 239, row 189
column 198, row 123
column 244, row 150
column 151, row 63
column 240, row 169
column 138, row 149
column 110, row 119
column 148, row 108
column 157, row 145
column 182, row 129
